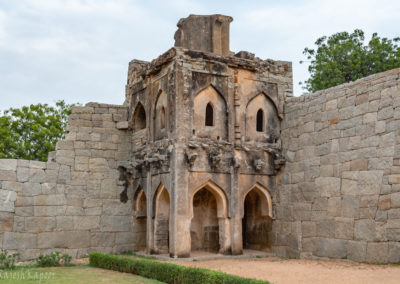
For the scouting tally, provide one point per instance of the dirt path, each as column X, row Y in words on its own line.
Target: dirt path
column 282, row 271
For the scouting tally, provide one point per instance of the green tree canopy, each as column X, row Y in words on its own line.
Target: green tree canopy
column 344, row 57
column 31, row 132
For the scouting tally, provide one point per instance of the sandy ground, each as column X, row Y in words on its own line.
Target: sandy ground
column 282, row 271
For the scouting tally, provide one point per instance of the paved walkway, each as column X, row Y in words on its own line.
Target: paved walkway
column 282, row 271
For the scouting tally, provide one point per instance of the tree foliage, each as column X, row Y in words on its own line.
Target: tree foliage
column 344, row 57
column 31, row 132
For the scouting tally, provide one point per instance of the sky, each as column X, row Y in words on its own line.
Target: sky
column 78, row 50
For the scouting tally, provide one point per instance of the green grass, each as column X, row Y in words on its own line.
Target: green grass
column 69, row 275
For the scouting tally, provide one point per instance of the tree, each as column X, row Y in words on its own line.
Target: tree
column 31, row 132
column 344, row 57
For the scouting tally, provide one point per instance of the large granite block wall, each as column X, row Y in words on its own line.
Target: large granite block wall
column 340, row 188
column 72, row 202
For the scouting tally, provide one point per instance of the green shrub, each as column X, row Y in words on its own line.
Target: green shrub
column 7, row 261
column 165, row 272
column 56, row 258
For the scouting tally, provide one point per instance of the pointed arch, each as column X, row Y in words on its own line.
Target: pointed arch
column 140, row 202
column 161, row 194
column 265, row 197
column 262, row 121
column 210, row 116
column 160, row 116
column 162, row 209
column 140, row 211
column 139, row 117
column 222, row 206
column 268, row 98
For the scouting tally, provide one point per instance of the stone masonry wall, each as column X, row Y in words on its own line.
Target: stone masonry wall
column 340, row 188
column 72, row 202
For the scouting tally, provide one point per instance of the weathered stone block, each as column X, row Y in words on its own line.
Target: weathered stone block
column 350, row 206
column 98, row 164
column 124, row 238
column 357, row 250
column 325, row 228
column 8, row 175
column 122, row 125
column 64, row 239
column 40, row 224
column 116, row 223
column 13, row 240
column 328, row 186
column 116, row 207
column 64, row 223
column 101, row 239
column 344, row 228
column 50, row 199
column 334, row 206
column 23, row 174
column 364, row 230
column 6, row 221
column 377, row 252
column 395, row 200
column 24, row 211
column 86, row 222
column 330, row 248
column 8, row 165
column 385, row 202
column 31, row 189
column 394, row 252
column 394, row 179
column 320, row 203
column 49, row 210
column 308, row 229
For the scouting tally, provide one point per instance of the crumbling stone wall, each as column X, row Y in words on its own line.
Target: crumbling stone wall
column 72, row 202
column 340, row 192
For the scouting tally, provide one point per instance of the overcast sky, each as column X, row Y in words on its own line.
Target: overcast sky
column 78, row 50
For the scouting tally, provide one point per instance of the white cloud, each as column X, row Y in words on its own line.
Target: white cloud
column 291, row 26
column 2, row 25
column 79, row 49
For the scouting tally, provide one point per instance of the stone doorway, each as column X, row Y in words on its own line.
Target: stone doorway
column 161, row 221
column 204, row 230
column 257, row 220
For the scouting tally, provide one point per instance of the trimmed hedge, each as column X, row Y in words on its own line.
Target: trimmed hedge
column 165, row 272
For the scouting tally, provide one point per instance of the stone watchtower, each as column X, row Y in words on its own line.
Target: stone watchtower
column 206, row 149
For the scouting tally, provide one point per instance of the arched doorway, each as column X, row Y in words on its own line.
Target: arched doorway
column 161, row 220
column 140, row 206
column 257, row 219
column 209, row 227
column 204, row 230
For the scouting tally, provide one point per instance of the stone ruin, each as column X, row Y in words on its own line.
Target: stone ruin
column 210, row 152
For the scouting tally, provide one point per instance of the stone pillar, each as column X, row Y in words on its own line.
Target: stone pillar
column 149, row 219
column 235, row 206
column 224, row 235
column 236, row 234
column 180, row 242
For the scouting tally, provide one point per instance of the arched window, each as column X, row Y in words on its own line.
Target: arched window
column 260, row 120
column 209, row 115
column 162, row 118
column 139, row 117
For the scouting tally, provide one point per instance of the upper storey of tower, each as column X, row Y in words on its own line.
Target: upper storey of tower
column 204, row 33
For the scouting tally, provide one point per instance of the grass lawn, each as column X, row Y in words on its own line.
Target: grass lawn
column 73, row 274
